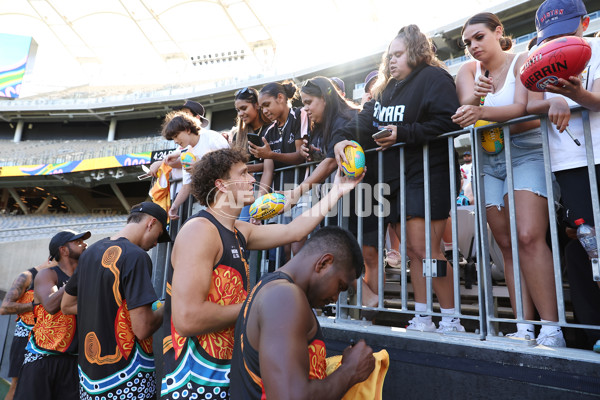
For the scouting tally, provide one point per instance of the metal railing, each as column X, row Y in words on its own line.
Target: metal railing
column 485, row 315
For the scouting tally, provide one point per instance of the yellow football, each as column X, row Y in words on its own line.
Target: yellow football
column 187, row 159
column 267, row 206
column 356, row 160
column 492, row 140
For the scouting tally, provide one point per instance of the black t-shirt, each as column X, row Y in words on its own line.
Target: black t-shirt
column 283, row 140
column 113, row 277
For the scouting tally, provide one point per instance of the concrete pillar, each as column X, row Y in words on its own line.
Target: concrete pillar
column 43, row 209
column 16, row 197
column 19, row 131
column 208, row 116
column 120, row 196
column 112, row 129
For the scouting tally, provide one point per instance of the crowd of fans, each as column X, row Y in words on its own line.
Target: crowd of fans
column 98, row 302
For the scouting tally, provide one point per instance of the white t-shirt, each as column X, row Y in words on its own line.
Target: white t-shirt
column 465, row 170
column 564, row 153
column 209, row 141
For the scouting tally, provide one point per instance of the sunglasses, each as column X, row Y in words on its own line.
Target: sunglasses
column 246, row 91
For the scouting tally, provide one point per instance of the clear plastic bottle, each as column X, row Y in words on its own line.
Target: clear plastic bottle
column 587, row 237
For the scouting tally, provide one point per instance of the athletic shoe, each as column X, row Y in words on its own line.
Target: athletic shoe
column 597, row 347
column 449, row 255
column 423, row 324
column 554, row 339
column 452, row 326
column 525, row 334
column 393, row 258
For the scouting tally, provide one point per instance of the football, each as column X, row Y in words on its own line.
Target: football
column 492, row 140
column 267, row 206
column 559, row 58
column 187, row 159
column 356, row 160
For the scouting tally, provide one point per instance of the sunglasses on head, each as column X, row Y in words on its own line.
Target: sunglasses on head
column 245, row 91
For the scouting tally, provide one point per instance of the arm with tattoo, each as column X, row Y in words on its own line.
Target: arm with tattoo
column 18, row 288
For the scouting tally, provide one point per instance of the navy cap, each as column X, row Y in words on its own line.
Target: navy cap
column 62, row 238
column 371, row 77
column 558, row 17
column 466, row 153
column 196, row 108
column 156, row 211
column 339, row 83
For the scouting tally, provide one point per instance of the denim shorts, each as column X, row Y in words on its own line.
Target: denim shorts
column 528, row 168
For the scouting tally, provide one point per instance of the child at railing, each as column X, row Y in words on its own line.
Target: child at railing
column 569, row 160
column 494, row 77
column 413, row 99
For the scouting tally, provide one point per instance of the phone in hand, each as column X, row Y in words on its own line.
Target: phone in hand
column 381, row 134
column 255, row 139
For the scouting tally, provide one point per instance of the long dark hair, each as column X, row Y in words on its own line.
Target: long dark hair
column 335, row 104
column 251, row 96
column 491, row 21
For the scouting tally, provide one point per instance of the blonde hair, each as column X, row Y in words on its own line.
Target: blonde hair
column 419, row 50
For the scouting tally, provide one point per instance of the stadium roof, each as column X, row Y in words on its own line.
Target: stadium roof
column 133, row 42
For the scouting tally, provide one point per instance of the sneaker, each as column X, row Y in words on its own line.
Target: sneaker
column 452, row 326
column 393, row 258
column 449, row 255
column 422, row 324
column 597, row 347
column 524, row 334
column 554, row 339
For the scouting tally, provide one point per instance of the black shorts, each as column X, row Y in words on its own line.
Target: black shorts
column 575, row 194
column 48, row 378
column 17, row 355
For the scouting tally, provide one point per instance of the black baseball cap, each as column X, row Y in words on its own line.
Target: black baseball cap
column 64, row 237
column 196, row 108
column 156, row 211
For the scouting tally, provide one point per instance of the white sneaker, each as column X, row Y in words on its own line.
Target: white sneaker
column 452, row 326
column 423, row 324
column 522, row 334
column 554, row 339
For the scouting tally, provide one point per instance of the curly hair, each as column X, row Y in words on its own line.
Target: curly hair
column 179, row 121
column 419, row 50
column 214, row 165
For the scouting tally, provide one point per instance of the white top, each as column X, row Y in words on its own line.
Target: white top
column 564, row 153
column 506, row 94
column 209, row 141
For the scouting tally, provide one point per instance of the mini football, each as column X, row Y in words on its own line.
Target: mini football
column 187, row 159
column 356, row 160
column 559, row 58
column 267, row 206
column 492, row 140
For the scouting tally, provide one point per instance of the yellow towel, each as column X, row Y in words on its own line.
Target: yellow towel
column 370, row 389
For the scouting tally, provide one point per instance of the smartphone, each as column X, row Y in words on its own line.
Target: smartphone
column 381, row 134
column 255, row 139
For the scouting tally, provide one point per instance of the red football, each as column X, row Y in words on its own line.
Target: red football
column 559, row 58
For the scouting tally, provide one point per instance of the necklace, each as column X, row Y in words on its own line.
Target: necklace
column 495, row 83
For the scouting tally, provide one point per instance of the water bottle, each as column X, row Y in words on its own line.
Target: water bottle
column 587, row 237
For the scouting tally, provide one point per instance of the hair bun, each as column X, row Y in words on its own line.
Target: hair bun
column 506, row 43
column 290, row 89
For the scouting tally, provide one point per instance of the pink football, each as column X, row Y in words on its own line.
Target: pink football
column 559, row 58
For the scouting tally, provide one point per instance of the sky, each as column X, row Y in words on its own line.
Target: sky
column 150, row 42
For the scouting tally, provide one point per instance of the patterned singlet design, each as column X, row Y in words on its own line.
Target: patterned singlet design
column 52, row 334
column 26, row 320
column 246, row 361
column 198, row 367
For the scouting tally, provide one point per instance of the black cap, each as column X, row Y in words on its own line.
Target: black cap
column 64, row 237
column 156, row 211
column 196, row 108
